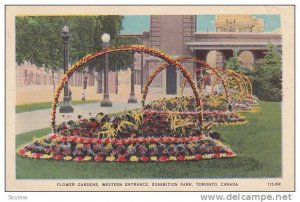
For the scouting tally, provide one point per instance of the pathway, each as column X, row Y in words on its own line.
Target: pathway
column 29, row 121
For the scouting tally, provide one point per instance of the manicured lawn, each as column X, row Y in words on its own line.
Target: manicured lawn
column 257, row 144
column 44, row 105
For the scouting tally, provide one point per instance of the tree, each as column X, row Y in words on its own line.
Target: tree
column 38, row 40
column 267, row 83
column 234, row 62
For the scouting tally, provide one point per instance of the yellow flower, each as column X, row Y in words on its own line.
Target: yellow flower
column 79, row 145
column 151, row 146
column 28, row 153
column 134, row 158
column 110, row 158
column 87, row 158
column 172, row 158
column 67, row 158
column 191, row 145
column 46, row 156
column 108, row 146
column 189, row 157
column 223, row 155
column 130, row 146
column 153, row 158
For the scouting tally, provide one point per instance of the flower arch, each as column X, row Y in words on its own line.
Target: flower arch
column 135, row 48
column 204, row 65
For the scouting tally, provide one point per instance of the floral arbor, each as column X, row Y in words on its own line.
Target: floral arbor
column 143, row 135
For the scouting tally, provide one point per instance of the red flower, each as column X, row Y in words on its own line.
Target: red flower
column 58, row 157
column 161, row 139
column 123, row 141
column 144, row 158
column 169, row 139
column 93, row 124
column 106, row 140
column 64, row 138
column 36, row 155
column 81, row 140
column 73, row 138
column 216, row 155
column 53, row 136
column 229, row 153
column 98, row 158
column 153, row 140
column 75, row 131
column 145, row 140
column 121, row 158
column 99, row 141
column 140, row 140
column 79, row 158
column 163, row 159
column 181, row 158
column 134, row 140
column 114, row 141
column 198, row 156
column 22, row 151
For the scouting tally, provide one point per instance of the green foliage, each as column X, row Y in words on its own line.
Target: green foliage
column 267, row 81
column 39, row 41
column 266, row 76
column 234, row 63
column 117, row 60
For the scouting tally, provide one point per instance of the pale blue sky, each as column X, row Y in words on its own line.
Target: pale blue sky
column 137, row 24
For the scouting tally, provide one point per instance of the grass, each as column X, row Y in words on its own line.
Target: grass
column 45, row 105
column 257, row 144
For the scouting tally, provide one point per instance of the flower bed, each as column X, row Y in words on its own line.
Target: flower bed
column 212, row 103
column 165, row 149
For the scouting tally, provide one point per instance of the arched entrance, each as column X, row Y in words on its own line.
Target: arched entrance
column 215, row 59
column 247, row 59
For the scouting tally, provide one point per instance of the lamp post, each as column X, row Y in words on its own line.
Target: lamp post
column 105, row 102
column 132, row 98
column 66, row 107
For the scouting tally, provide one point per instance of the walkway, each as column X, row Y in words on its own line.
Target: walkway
column 29, row 121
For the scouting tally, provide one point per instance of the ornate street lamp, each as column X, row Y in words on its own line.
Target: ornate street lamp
column 105, row 102
column 66, row 107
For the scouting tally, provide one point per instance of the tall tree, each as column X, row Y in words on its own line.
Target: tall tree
column 38, row 40
column 267, row 83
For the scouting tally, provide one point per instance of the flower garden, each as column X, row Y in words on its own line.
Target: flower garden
column 173, row 129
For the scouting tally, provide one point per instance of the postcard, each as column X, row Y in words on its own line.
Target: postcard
column 150, row 98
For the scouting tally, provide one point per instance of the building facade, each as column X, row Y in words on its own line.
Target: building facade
column 176, row 35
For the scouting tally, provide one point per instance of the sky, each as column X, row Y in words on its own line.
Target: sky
column 137, row 24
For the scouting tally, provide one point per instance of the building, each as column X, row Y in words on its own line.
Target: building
column 238, row 23
column 176, row 35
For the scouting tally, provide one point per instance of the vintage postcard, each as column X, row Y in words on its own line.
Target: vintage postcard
column 150, row 98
